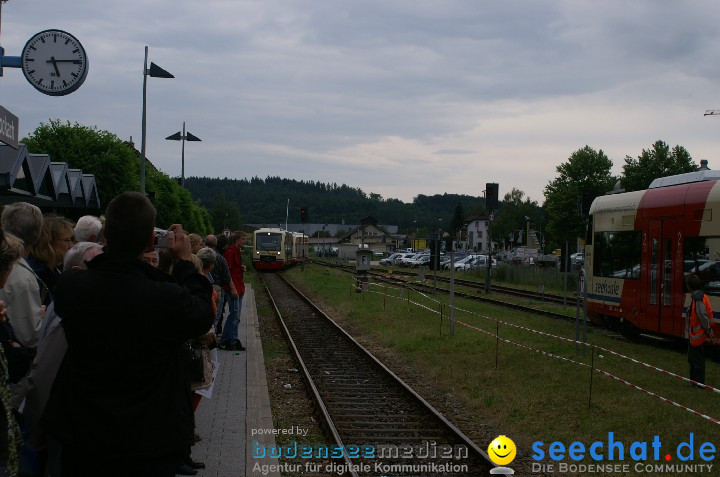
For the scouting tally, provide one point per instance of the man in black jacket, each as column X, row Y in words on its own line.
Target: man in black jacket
column 121, row 404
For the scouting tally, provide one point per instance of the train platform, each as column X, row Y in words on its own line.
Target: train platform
column 240, row 402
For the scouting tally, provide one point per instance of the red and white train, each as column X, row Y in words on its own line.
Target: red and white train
column 274, row 248
column 641, row 246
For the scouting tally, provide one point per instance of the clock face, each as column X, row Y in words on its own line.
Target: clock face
column 54, row 62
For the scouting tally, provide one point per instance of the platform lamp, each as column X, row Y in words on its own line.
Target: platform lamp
column 156, row 72
column 183, row 137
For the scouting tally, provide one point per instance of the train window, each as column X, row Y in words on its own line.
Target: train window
column 268, row 242
column 617, row 254
column 702, row 257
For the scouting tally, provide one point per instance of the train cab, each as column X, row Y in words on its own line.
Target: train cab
column 641, row 246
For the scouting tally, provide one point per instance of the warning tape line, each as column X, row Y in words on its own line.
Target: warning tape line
column 599, row 370
column 657, row 396
column 596, row 346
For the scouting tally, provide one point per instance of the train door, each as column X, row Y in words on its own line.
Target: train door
column 664, row 286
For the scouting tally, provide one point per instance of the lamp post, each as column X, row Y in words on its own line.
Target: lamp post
column 183, row 137
column 156, row 72
column 527, row 233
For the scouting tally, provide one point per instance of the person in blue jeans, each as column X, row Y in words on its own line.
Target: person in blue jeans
column 221, row 276
column 233, row 255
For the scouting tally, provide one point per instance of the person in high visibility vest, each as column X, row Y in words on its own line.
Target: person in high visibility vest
column 699, row 333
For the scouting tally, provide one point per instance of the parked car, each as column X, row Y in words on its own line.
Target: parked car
column 445, row 262
column 390, row 260
column 407, row 259
column 465, row 263
column 416, row 260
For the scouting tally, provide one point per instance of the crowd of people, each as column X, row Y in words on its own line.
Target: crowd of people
column 101, row 327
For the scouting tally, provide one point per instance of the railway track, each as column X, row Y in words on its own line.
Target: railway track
column 527, row 294
column 364, row 404
column 640, row 338
column 471, row 296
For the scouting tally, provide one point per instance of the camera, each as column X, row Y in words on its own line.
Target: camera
column 161, row 238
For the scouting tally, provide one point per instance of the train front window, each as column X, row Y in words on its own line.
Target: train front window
column 269, row 242
column 617, row 255
column 702, row 257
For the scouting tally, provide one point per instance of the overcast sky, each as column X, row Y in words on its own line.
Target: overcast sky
column 398, row 98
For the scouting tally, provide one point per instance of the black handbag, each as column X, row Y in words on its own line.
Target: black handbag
column 194, row 353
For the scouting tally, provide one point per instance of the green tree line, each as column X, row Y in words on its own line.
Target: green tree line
column 208, row 205
column 116, row 166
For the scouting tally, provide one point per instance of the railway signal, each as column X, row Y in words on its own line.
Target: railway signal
column 303, row 214
column 491, row 196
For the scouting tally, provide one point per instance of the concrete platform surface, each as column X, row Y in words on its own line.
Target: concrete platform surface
column 240, row 402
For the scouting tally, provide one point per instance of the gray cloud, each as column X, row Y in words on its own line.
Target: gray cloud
column 397, row 98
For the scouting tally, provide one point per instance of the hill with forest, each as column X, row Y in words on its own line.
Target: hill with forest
column 264, row 201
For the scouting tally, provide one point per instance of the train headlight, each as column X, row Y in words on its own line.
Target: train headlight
column 278, row 253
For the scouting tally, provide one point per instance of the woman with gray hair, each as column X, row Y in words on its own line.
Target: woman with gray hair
column 87, row 229
column 21, row 293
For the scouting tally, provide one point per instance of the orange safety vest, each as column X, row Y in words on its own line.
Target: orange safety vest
column 697, row 333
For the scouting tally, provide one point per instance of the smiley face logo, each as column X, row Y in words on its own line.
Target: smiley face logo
column 502, row 450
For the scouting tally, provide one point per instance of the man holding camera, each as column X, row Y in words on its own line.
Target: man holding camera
column 121, row 403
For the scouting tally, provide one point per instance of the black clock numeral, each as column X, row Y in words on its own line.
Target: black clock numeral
column 29, row 59
column 31, row 72
column 40, row 81
column 42, row 39
column 76, row 50
column 52, row 84
column 54, row 38
column 65, row 83
column 32, row 48
column 67, row 41
column 74, row 75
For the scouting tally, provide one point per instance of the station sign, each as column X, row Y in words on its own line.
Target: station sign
column 9, row 128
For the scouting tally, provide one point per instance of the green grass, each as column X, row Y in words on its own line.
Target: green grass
column 530, row 396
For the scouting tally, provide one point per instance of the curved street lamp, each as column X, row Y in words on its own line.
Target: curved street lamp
column 156, row 72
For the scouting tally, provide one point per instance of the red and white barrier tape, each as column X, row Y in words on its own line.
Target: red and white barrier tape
column 601, row 371
column 612, row 376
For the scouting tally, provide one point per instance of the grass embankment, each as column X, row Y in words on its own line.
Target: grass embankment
column 529, row 396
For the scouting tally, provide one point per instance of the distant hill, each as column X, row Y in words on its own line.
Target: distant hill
column 265, row 201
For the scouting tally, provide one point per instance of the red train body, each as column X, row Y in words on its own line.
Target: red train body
column 641, row 246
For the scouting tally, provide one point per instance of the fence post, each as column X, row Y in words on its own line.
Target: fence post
column 497, row 342
column 592, row 368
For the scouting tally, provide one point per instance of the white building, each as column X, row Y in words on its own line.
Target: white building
column 477, row 238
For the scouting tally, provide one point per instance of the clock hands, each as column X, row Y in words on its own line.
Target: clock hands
column 54, row 62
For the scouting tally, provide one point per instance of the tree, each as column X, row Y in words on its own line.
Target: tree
column 586, row 171
column 659, row 161
column 225, row 214
column 116, row 166
column 511, row 218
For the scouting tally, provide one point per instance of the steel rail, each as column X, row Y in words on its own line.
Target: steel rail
column 420, row 400
column 327, row 420
column 478, row 456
